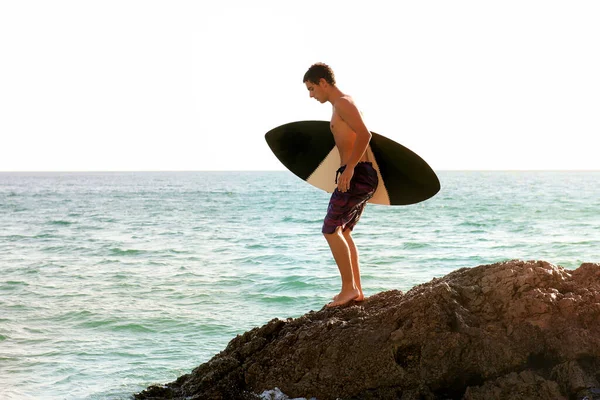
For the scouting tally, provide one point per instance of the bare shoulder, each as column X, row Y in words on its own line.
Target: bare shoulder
column 344, row 102
column 345, row 105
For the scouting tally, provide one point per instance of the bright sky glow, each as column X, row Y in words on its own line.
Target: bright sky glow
column 195, row 85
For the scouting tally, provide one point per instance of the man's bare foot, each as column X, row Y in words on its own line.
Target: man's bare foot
column 360, row 297
column 344, row 298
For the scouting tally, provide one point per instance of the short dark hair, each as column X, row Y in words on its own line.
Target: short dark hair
column 318, row 71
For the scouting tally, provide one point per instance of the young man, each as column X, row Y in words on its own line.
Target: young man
column 356, row 179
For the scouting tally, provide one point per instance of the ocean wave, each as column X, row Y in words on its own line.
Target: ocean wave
column 15, row 238
column 259, row 259
column 78, row 315
column 54, row 249
column 256, row 246
column 67, row 249
column 45, row 236
column 132, row 327
column 60, row 222
column 158, row 264
column 108, row 261
column 415, row 245
column 289, row 287
column 104, row 219
column 89, row 228
column 112, row 325
column 128, row 252
column 297, row 220
column 474, row 224
column 96, row 323
column 12, row 285
column 175, row 251
column 273, row 299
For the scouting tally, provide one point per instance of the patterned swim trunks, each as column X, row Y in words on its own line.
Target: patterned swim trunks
column 345, row 208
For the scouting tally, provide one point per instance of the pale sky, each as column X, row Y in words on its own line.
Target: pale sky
column 195, row 85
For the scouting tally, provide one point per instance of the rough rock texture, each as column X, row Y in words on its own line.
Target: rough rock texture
column 512, row 330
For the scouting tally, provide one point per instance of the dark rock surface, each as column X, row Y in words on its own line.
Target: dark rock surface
column 511, row 330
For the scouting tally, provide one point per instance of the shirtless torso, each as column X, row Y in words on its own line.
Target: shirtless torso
column 344, row 136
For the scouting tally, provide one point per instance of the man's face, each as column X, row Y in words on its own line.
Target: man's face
column 316, row 91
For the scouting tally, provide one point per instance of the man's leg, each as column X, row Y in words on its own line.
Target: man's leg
column 354, row 262
column 342, row 255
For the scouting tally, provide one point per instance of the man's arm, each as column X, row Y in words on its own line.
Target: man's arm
column 351, row 116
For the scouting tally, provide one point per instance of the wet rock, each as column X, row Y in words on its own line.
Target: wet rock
column 526, row 330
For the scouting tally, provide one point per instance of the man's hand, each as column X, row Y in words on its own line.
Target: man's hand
column 344, row 179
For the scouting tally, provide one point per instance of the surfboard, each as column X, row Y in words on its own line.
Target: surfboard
column 307, row 149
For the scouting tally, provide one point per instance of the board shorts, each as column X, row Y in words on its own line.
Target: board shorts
column 345, row 208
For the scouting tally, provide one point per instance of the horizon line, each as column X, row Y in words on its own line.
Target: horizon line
column 283, row 170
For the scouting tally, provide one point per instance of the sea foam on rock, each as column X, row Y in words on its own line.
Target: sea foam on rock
column 511, row 330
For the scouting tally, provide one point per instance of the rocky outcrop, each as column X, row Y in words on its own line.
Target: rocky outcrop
column 512, row 330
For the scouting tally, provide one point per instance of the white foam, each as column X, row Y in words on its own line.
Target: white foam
column 277, row 394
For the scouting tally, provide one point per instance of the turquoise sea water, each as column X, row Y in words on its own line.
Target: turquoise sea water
column 110, row 282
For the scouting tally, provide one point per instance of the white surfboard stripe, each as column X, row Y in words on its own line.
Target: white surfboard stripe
column 323, row 178
column 381, row 195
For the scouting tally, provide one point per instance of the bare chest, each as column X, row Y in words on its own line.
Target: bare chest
column 340, row 129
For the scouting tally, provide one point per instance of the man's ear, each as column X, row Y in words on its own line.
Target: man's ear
column 323, row 83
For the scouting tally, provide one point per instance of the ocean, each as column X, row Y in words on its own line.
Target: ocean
column 111, row 282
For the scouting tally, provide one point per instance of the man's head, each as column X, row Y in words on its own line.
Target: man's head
column 319, row 79
column 319, row 71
